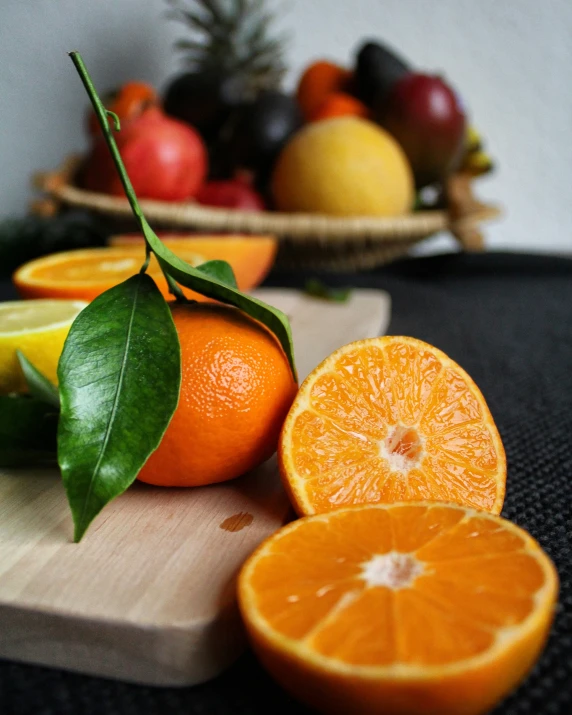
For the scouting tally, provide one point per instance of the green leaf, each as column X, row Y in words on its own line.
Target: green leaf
column 28, row 429
column 317, row 289
column 221, row 270
column 38, row 384
column 201, row 281
column 119, row 376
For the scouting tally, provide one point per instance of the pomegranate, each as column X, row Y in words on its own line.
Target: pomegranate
column 165, row 159
column 233, row 194
column 426, row 117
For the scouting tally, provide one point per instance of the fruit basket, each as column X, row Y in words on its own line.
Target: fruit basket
column 332, row 169
column 305, row 240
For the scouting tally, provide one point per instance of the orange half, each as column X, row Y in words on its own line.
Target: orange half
column 402, row 609
column 390, row 419
column 85, row 274
column 251, row 257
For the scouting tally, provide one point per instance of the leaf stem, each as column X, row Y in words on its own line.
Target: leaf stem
column 145, row 265
column 174, row 287
column 214, row 279
column 102, row 114
column 116, row 122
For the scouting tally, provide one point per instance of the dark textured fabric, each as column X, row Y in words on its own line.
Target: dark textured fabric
column 507, row 319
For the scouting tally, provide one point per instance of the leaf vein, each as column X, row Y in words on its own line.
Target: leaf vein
column 114, row 407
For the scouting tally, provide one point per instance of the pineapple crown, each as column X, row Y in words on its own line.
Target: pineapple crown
column 232, row 38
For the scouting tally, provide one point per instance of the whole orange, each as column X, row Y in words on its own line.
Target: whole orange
column 340, row 104
column 236, row 389
column 317, row 82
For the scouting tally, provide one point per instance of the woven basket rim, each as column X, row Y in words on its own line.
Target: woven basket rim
column 302, row 229
column 283, row 225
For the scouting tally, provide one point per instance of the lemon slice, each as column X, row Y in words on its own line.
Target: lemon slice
column 38, row 328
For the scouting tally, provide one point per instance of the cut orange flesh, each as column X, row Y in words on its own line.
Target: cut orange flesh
column 403, row 608
column 84, row 274
column 390, row 419
column 87, row 273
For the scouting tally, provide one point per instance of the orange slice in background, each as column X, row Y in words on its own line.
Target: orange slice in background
column 84, row 274
column 403, row 608
column 390, row 419
column 251, row 257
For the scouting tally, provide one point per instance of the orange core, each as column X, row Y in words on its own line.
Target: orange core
column 403, row 447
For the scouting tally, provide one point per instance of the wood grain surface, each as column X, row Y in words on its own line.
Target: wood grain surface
column 148, row 595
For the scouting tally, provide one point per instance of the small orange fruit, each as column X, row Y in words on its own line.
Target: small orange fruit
column 236, row 389
column 344, row 166
column 340, row 104
column 84, row 274
column 128, row 102
column 404, row 609
column 319, row 80
column 390, row 419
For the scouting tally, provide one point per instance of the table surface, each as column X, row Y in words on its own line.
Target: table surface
column 507, row 319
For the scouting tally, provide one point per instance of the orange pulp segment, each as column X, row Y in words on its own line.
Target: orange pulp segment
column 390, row 419
column 405, row 608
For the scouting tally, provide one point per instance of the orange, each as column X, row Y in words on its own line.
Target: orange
column 251, row 257
column 128, row 102
column 402, row 609
column 320, row 79
column 340, row 104
column 84, row 274
column 344, row 166
column 391, row 419
column 236, row 389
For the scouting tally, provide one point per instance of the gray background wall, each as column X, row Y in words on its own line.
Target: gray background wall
column 511, row 60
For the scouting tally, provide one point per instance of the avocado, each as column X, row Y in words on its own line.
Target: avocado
column 263, row 128
column 377, row 70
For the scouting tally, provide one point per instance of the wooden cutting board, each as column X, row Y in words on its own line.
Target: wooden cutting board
column 149, row 594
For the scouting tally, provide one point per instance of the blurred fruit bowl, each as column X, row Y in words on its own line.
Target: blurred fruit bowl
column 84, row 274
column 348, row 170
column 305, row 240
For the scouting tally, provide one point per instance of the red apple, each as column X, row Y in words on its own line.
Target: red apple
column 426, row 117
column 165, row 159
column 233, row 194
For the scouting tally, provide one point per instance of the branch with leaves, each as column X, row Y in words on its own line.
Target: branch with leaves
column 120, row 370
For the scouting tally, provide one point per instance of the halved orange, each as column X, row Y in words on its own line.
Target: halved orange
column 251, row 257
column 403, row 608
column 390, row 419
column 84, row 274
